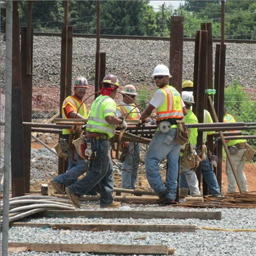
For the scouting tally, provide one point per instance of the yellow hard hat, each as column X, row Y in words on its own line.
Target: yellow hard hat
column 187, row 84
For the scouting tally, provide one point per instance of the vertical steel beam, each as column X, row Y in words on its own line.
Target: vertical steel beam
column 208, row 85
column 66, row 69
column 28, row 39
column 176, row 51
column 98, row 57
column 97, row 61
column 102, row 66
column 27, row 101
column 200, row 71
column 18, row 176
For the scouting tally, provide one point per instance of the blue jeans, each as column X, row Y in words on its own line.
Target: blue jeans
column 130, row 166
column 75, row 169
column 208, row 175
column 100, row 172
column 163, row 145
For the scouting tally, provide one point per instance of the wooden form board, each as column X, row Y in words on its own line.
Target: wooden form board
column 95, row 248
column 109, row 214
column 111, row 226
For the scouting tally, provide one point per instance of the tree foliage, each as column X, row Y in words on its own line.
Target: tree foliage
column 139, row 18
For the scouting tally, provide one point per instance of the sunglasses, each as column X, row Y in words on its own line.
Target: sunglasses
column 158, row 77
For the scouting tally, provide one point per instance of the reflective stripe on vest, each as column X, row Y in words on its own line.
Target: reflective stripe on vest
column 96, row 123
column 230, row 119
column 74, row 103
column 168, row 110
column 129, row 112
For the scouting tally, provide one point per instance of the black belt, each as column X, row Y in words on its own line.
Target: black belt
column 170, row 120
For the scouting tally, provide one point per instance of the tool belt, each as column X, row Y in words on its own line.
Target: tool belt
column 182, row 132
column 249, row 153
column 170, row 120
column 97, row 136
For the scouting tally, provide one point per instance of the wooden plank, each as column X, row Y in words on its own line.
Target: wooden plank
column 111, row 226
column 194, row 199
column 108, row 214
column 97, row 248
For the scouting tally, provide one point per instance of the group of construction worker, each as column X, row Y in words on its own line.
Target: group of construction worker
column 106, row 115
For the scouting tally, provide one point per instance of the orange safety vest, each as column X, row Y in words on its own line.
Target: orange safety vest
column 75, row 104
column 129, row 111
column 172, row 107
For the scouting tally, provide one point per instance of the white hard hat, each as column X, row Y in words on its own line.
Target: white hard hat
column 129, row 89
column 188, row 97
column 161, row 70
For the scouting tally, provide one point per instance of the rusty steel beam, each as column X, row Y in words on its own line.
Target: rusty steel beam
column 18, row 177
column 28, row 39
column 176, row 51
column 98, row 59
column 27, row 100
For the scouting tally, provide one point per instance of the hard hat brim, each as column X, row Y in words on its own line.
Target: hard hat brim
column 80, row 86
column 129, row 93
column 160, row 74
column 189, row 102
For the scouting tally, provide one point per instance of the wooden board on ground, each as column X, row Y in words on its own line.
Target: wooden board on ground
column 108, row 214
column 113, row 227
column 194, row 199
column 96, row 248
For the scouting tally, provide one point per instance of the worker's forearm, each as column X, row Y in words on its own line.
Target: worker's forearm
column 76, row 115
column 114, row 120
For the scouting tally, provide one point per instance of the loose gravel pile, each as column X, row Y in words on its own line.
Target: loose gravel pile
column 221, row 240
column 132, row 61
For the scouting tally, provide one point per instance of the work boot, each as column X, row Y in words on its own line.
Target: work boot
column 112, row 205
column 73, row 198
column 220, row 195
column 58, row 188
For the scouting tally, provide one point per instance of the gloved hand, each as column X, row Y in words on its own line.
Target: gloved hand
column 123, row 125
column 213, row 161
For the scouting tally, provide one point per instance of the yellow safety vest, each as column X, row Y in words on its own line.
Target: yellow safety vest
column 129, row 111
column 172, row 107
column 230, row 119
column 73, row 102
column 103, row 106
column 207, row 120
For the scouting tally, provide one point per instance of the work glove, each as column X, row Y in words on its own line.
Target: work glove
column 123, row 125
column 213, row 161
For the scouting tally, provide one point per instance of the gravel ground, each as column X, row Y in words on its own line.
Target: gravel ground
column 132, row 61
column 200, row 242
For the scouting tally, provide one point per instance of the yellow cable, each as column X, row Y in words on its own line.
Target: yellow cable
column 230, row 230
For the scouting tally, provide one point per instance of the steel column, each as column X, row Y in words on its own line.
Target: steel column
column 18, row 177
column 176, row 51
column 27, row 100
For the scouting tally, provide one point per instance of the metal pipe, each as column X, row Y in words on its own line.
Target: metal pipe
column 44, row 144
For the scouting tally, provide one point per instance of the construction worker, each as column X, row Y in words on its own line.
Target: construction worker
column 237, row 149
column 131, row 150
column 206, row 167
column 170, row 107
column 100, row 129
column 190, row 118
column 72, row 107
